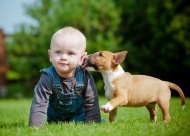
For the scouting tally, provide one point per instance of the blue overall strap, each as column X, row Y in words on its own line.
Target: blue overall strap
column 80, row 79
column 55, row 77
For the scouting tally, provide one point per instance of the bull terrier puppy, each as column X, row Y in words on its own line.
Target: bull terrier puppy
column 124, row 89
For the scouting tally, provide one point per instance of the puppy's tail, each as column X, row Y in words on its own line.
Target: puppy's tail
column 178, row 89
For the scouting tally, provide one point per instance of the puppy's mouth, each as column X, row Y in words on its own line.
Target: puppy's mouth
column 87, row 64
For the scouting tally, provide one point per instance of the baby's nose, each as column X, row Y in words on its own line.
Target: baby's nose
column 63, row 56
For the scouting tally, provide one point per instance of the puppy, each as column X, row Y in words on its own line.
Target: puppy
column 124, row 89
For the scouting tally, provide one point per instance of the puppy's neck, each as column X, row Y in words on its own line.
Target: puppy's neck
column 111, row 74
column 108, row 77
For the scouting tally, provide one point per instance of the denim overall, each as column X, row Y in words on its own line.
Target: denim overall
column 66, row 107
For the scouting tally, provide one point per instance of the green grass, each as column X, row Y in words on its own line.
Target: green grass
column 130, row 121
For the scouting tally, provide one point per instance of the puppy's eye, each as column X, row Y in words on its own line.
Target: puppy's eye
column 100, row 55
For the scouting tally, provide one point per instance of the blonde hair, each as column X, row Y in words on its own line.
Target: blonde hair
column 73, row 34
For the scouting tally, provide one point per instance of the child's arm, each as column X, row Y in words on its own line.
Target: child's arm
column 40, row 101
column 91, row 101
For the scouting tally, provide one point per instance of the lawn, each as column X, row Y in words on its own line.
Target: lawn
column 130, row 122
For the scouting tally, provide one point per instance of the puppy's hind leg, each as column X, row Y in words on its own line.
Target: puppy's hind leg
column 164, row 106
column 152, row 111
column 113, row 115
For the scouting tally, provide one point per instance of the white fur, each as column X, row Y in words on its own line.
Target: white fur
column 108, row 77
column 155, row 118
column 90, row 68
column 108, row 107
column 183, row 107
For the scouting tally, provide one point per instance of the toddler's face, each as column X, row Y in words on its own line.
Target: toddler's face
column 65, row 55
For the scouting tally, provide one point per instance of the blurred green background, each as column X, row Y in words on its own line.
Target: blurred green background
column 156, row 34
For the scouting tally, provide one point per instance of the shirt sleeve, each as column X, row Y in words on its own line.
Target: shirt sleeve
column 91, row 101
column 40, row 101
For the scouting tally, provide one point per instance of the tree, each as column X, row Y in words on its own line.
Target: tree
column 156, row 33
column 28, row 48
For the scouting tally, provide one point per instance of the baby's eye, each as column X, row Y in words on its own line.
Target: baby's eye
column 58, row 52
column 70, row 53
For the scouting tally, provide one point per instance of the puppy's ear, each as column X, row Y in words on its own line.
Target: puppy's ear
column 119, row 57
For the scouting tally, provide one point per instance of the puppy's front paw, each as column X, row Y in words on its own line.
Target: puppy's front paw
column 107, row 108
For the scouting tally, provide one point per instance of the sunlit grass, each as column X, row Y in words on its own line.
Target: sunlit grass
column 130, row 121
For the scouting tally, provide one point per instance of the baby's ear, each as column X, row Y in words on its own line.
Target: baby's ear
column 49, row 53
column 82, row 58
